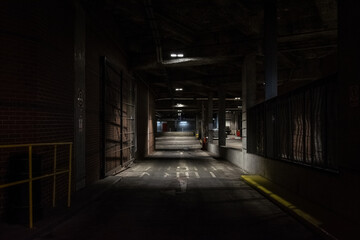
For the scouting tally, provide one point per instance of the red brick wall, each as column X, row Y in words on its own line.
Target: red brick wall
column 36, row 76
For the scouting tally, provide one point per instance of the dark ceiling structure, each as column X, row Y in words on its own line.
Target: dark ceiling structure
column 214, row 36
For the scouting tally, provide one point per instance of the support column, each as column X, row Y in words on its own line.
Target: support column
column 79, row 98
column 197, row 125
column 202, row 120
column 248, row 96
column 348, row 87
column 236, row 120
column 270, row 51
column 222, row 133
column 210, row 118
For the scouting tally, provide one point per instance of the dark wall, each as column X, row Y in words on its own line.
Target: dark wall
column 101, row 40
column 36, row 76
column 37, row 83
column 146, row 123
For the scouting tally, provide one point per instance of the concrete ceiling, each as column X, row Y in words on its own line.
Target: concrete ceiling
column 214, row 36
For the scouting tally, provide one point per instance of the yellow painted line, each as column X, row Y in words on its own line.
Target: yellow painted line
column 315, row 222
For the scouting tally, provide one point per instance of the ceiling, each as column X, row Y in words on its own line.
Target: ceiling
column 214, row 36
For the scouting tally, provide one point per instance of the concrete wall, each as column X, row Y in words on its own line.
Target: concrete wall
column 146, row 121
column 230, row 154
column 338, row 192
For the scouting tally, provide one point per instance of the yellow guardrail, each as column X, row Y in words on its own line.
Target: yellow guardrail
column 31, row 178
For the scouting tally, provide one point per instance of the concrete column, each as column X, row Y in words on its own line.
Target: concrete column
column 248, row 95
column 348, row 87
column 202, row 125
column 270, row 51
column 79, row 98
column 236, row 120
column 210, row 117
column 197, row 127
column 222, row 133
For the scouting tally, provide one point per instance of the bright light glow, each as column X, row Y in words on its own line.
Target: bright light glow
column 183, row 123
column 179, row 105
column 178, row 89
column 238, row 98
column 179, row 55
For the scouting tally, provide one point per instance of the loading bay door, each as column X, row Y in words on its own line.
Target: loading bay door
column 118, row 119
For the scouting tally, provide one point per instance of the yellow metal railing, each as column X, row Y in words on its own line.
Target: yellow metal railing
column 31, row 178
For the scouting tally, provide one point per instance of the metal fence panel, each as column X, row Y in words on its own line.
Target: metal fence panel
column 296, row 127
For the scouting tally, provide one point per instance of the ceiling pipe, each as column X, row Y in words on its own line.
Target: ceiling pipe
column 194, row 109
column 195, row 99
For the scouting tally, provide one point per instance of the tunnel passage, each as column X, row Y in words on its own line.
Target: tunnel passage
column 176, row 141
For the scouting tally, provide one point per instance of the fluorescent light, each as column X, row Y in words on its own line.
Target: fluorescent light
column 179, row 105
column 178, row 89
column 179, row 55
column 238, row 98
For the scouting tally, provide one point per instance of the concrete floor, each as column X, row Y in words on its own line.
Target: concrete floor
column 180, row 195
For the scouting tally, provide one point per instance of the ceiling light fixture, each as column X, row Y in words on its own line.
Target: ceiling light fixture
column 178, row 89
column 238, row 98
column 174, row 55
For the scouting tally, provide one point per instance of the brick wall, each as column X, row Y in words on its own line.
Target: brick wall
column 36, row 77
column 37, row 83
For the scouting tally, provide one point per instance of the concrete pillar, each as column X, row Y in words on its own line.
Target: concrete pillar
column 197, row 127
column 236, row 120
column 202, row 125
column 222, row 133
column 248, row 95
column 79, row 98
column 210, row 118
column 270, row 49
column 348, row 87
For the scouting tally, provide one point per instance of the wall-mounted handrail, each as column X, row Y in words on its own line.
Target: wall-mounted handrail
column 31, row 178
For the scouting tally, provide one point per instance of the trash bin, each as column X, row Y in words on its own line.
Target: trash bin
column 18, row 195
